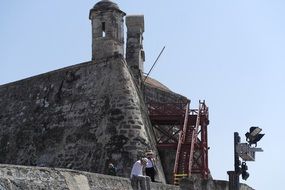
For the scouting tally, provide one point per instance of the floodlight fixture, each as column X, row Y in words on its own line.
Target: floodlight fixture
column 253, row 136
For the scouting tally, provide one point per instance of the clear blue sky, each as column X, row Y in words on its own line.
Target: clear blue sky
column 229, row 52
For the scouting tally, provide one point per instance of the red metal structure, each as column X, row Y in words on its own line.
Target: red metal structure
column 176, row 126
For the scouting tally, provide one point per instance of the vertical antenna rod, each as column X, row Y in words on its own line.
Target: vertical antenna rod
column 154, row 63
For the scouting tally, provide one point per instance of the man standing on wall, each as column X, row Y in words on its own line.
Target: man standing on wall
column 138, row 180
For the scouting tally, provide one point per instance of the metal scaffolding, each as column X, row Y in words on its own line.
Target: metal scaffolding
column 176, row 126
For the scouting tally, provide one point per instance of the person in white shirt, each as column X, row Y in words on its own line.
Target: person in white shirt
column 138, row 180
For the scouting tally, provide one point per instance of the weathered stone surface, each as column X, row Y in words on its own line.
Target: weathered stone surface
column 40, row 178
column 107, row 30
column 135, row 56
column 29, row 178
column 80, row 117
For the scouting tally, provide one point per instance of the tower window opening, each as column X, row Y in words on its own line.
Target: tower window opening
column 103, row 29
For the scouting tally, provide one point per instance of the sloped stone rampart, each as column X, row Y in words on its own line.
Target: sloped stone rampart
column 80, row 117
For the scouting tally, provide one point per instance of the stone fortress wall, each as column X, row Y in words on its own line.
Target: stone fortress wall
column 84, row 116
column 79, row 117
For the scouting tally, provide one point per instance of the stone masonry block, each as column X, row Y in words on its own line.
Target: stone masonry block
column 135, row 23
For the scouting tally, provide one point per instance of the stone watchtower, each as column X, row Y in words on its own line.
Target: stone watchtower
column 107, row 30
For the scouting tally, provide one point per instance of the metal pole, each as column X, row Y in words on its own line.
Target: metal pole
column 154, row 63
column 234, row 175
column 237, row 161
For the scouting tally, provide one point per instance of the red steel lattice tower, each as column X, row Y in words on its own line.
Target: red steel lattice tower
column 185, row 130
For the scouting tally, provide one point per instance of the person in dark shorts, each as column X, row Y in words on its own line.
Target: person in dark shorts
column 150, row 165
